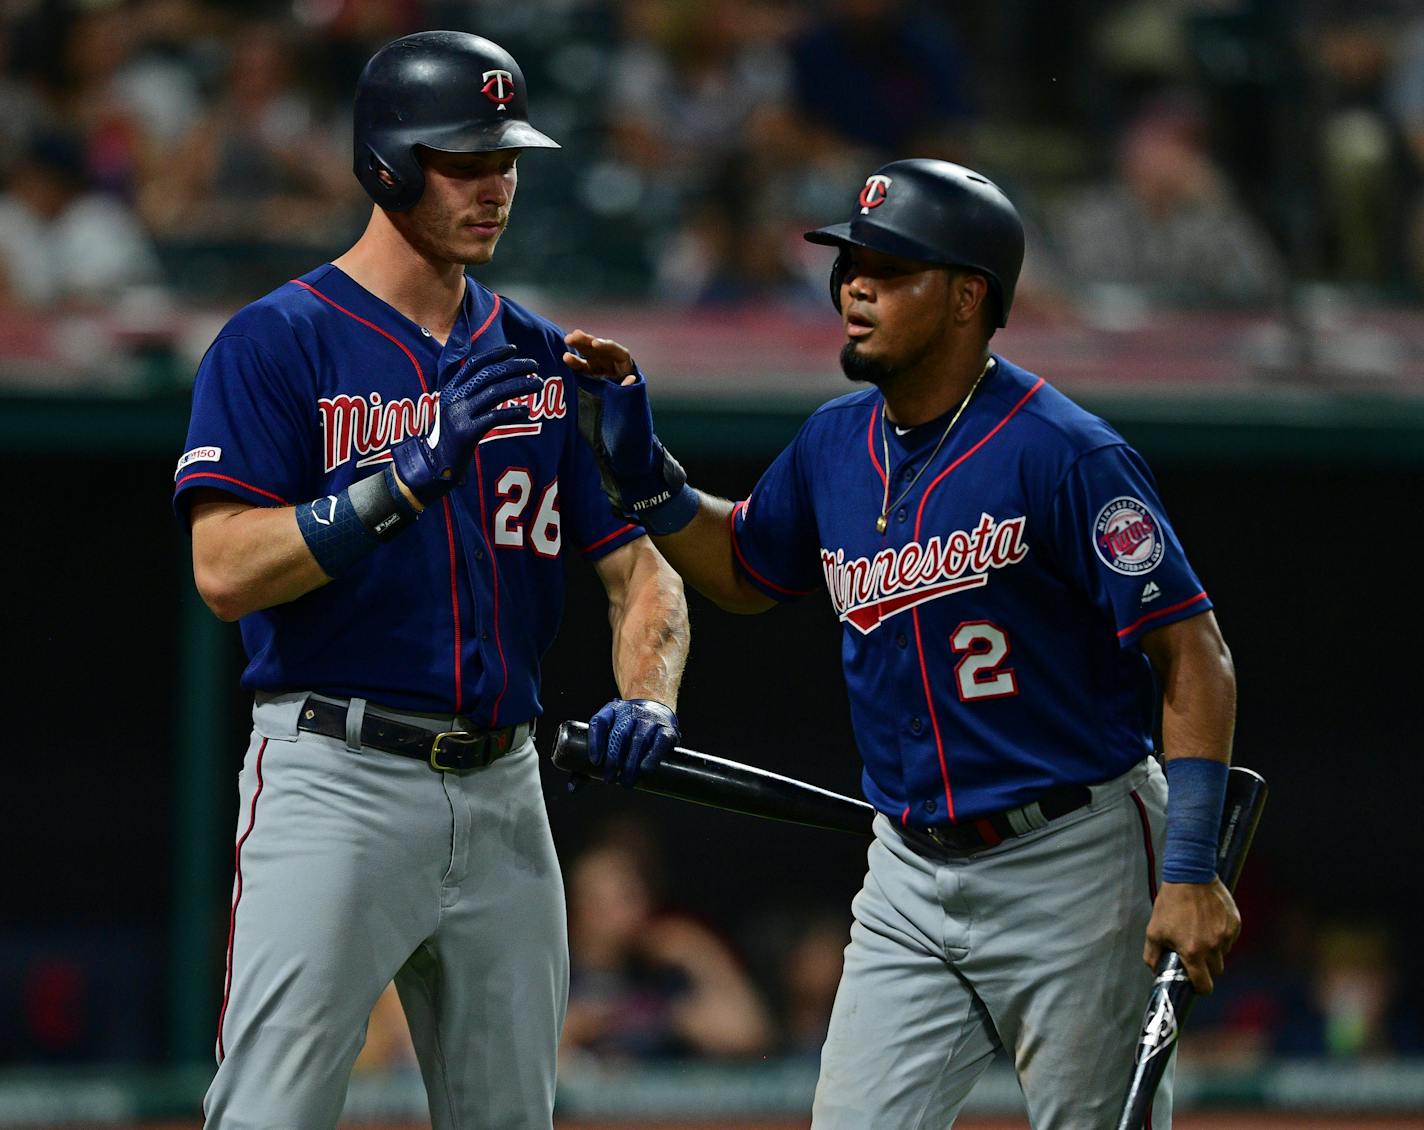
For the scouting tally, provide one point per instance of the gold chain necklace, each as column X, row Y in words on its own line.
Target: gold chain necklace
column 886, row 505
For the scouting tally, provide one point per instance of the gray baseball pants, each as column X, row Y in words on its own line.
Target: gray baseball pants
column 1033, row 947
column 356, row 867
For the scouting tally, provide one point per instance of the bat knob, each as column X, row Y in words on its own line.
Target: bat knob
column 571, row 747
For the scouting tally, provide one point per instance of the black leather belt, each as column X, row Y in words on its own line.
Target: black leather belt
column 995, row 828
column 450, row 751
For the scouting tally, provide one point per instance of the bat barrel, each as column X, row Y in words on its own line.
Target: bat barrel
column 685, row 774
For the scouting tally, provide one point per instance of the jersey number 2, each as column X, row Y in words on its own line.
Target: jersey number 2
column 978, row 674
column 515, row 487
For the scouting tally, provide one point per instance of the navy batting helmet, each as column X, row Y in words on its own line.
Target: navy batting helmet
column 934, row 212
column 446, row 90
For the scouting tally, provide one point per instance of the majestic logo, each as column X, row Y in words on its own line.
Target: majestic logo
column 1127, row 537
column 498, row 87
column 198, row 455
column 866, row 591
column 1150, row 592
column 877, row 188
column 367, row 427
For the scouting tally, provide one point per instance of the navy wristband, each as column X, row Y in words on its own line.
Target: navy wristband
column 1196, row 794
column 341, row 529
column 671, row 514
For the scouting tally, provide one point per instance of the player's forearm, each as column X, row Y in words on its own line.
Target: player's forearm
column 702, row 552
column 650, row 631
column 1198, row 682
column 246, row 558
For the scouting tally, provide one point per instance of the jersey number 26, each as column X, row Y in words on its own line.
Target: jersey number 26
column 516, row 489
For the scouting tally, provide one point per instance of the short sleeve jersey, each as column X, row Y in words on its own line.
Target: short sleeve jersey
column 306, row 391
column 991, row 634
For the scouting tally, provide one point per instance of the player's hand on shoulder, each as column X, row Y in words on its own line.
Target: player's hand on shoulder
column 599, row 357
column 630, row 736
column 640, row 478
column 474, row 398
column 1198, row 921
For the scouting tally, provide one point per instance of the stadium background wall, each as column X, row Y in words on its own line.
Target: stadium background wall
column 124, row 729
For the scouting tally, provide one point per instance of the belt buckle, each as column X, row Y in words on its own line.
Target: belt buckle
column 466, row 743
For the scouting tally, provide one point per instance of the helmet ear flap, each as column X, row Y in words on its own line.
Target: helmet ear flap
column 838, row 274
column 398, row 189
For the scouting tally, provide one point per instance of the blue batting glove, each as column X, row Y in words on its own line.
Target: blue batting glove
column 629, row 736
column 639, row 476
column 475, row 399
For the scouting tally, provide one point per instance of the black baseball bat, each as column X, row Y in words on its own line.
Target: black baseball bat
column 685, row 774
column 1172, row 994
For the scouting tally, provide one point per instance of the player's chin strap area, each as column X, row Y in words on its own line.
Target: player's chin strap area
column 450, row 751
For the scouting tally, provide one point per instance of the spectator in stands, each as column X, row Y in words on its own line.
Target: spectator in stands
column 888, row 76
column 1406, row 105
column 1348, row 55
column 649, row 984
column 691, row 82
column 1355, row 1008
column 61, row 243
column 1167, row 225
column 811, row 974
column 388, row 1048
column 261, row 164
column 734, row 248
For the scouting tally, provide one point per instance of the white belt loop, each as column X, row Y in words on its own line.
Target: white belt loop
column 355, row 716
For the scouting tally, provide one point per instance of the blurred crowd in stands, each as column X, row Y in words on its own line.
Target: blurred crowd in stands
column 651, row 982
column 1164, row 152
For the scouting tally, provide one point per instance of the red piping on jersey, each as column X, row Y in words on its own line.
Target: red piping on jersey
column 494, row 569
column 1147, row 846
column 742, row 561
column 1127, row 631
column 474, row 337
column 454, row 603
column 870, row 445
column 934, row 718
column 494, row 582
column 372, row 325
column 607, row 538
column 919, row 515
column 449, row 514
column 915, row 612
column 230, row 479
column 237, row 898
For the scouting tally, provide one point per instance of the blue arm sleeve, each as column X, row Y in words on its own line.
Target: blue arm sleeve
column 596, row 529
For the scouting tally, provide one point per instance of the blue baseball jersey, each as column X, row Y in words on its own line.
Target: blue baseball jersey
column 991, row 644
column 304, row 392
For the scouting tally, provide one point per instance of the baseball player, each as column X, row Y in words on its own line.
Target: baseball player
column 383, row 475
column 1014, row 600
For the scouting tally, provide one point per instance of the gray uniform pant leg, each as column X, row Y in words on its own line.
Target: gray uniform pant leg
column 354, row 868
column 485, row 996
column 1035, row 946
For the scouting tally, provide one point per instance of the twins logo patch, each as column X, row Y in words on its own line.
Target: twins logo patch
column 1127, row 537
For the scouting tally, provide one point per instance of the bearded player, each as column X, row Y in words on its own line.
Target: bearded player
column 1015, row 604
column 383, row 477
